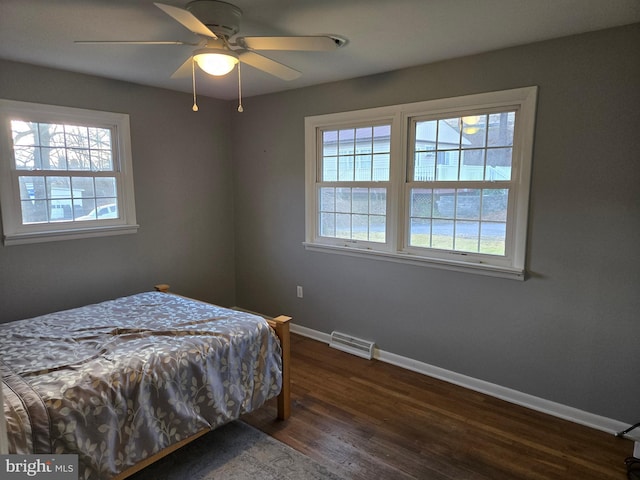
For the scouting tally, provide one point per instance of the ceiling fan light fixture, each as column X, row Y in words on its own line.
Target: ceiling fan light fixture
column 216, row 61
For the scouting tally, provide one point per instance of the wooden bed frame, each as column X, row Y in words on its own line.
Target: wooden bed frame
column 280, row 325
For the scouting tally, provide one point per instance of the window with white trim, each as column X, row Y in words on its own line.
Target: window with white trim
column 64, row 173
column 442, row 183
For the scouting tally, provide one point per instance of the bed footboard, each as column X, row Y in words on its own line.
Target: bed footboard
column 280, row 325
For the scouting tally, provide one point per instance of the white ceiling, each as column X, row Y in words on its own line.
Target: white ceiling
column 383, row 35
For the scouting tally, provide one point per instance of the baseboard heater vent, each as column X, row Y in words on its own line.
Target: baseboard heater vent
column 349, row 344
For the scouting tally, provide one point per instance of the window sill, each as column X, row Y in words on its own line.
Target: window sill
column 478, row 269
column 53, row 236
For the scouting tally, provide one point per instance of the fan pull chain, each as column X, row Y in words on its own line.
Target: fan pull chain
column 240, row 109
column 193, row 77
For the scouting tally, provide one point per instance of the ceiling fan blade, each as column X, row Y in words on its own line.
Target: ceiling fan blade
column 133, row 42
column 187, row 19
column 185, row 70
column 269, row 66
column 321, row 43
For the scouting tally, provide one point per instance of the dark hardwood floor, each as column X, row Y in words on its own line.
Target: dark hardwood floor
column 371, row 420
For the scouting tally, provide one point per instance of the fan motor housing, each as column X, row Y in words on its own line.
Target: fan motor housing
column 222, row 18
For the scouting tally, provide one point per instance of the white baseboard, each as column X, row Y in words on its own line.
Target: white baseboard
column 310, row 333
column 513, row 396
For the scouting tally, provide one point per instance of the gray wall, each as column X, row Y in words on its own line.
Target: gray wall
column 570, row 332
column 183, row 187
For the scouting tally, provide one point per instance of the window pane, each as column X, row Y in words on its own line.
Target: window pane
column 468, row 205
column 464, row 220
column 104, row 208
column 61, row 147
column 424, row 166
column 99, row 138
column 443, row 203
column 330, row 143
column 34, row 211
column 101, row 160
column 356, row 154
column 53, row 158
column 466, row 237
column 363, row 168
column 381, row 164
column 500, row 131
column 32, row 188
column 442, row 234
column 364, row 140
column 51, row 135
column 378, row 201
column 24, row 133
column 60, row 211
column 472, row 165
column 474, row 131
column 426, row 135
column 421, row 202
column 467, row 148
column 377, row 228
column 420, row 232
column 424, row 160
column 448, row 133
column 447, row 168
column 327, row 224
column 79, row 159
column 86, row 211
column 76, row 136
column 330, row 169
column 494, row 204
column 360, row 227
column 346, row 168
column 27, row 158
column 499, row 164
column 59, row 187
column 360, row 198
column 82, row 187
column 382, row 139
column 346, row 144
column 328, row 199
column 343, row 200
column 343, row 225
column 353, row 213
column 64, row 198
column 492, row 238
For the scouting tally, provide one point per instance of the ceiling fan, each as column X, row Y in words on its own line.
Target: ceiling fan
column 217, row 53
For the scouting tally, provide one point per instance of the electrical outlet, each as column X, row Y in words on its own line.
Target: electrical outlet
column 299, row 291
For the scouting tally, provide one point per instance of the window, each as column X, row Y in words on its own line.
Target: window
column 64, row 173
column 442, row 183
column 353, row 193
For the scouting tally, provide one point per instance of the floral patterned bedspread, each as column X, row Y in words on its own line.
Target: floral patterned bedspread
column 118, row 381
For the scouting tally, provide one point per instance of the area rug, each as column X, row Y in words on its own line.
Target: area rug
column 236, row 451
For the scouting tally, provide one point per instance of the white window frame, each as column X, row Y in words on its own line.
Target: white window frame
column 511, row 265
column 15, row 232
